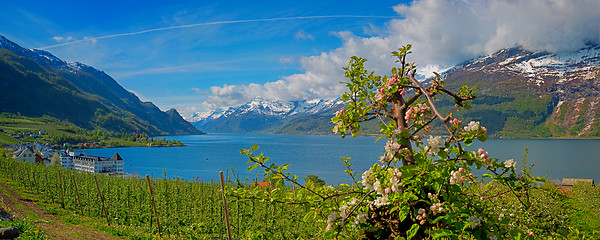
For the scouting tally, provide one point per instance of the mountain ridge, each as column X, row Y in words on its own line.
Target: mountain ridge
column 77, row 93
column 260, row 114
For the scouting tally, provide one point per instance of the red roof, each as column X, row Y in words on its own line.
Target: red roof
column 262, row 184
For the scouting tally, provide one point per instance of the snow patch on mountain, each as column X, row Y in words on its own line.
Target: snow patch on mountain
column 42, row 57
column 267, row 107
column 539, row 67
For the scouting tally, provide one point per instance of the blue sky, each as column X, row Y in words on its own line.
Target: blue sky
column 202, row 55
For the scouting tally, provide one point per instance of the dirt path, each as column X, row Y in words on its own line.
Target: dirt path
column 54, row 228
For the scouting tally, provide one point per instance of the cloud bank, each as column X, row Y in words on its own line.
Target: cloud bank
column 443, row 33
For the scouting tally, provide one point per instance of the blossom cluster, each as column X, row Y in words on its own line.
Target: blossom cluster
column 330, row 221
column 369, row 180
column 437, row 208
column 455, row 123
column 435, row 143
column 346, row 208
column 422, row 214
column 510, row 164
column 474, row 127
column 381, row 95
column 417, row 111
column 338, row 125
column 460, row 176
column 380, row 201
column 360, row 218
column 392, row 148
column 483, row 154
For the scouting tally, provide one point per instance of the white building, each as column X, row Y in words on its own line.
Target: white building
column 66, row 159
column 25, row 154
column 95, row 164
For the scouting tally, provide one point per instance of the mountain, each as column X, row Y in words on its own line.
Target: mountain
column 263, row 115
column 521, row 94
column 36, row 83
column 534, row 94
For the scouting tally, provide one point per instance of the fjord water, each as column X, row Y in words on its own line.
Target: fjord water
column 206, row 155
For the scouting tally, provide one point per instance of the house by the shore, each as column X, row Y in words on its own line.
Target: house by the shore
column 93, row 164
column 25, row 154
column 568, row 183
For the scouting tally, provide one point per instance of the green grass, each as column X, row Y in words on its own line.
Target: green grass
column 58, row 132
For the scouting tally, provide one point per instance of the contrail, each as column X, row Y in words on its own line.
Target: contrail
column 210, row 23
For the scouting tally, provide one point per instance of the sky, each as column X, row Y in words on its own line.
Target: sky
column 198, row 55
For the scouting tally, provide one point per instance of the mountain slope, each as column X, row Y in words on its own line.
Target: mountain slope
column 534, row 94
column 36, row 83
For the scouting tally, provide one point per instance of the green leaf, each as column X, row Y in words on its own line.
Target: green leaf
column 442, row 154
column 441, row 233
column 482, row 137
column 252, row 167
column 412, row 231
column 309, row 215
column 403, row 213
column 253, row 148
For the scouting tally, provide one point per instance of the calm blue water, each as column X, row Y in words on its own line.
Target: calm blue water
column 206, row 155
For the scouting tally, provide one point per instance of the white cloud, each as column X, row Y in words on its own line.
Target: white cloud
column 186, row 109
column 446, row 32
column 303, row 35
column 443, row 33
column 199, row 91
column 93, row 40
column 63, row 39
column 283, row 60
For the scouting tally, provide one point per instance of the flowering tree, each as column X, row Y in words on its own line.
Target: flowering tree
column 420, row 187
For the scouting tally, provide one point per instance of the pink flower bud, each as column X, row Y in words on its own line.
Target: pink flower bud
column 480, row 150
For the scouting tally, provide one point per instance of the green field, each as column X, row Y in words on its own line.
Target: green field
column 58, row 132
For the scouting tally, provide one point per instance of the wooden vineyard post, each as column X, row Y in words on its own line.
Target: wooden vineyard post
column 49, row 189
column 225, row 205
column 101, row 200
column 60, row 187
column 77, row 191
column 35, row 181
column 21, row 178
column 153, row 204
column 29, row 177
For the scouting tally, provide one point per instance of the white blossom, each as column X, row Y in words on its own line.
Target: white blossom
column 392, row 148
column 360, row 218
column 367, row 180
column 330, row 221
column 472, row 126
column 510, row 164
column 435, row 143
column 381, row 201
column 377, row 187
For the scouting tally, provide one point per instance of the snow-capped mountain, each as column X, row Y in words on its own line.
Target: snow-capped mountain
column 535, row 94
column 264, row 113
column 42, row 57
column 539, row 67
